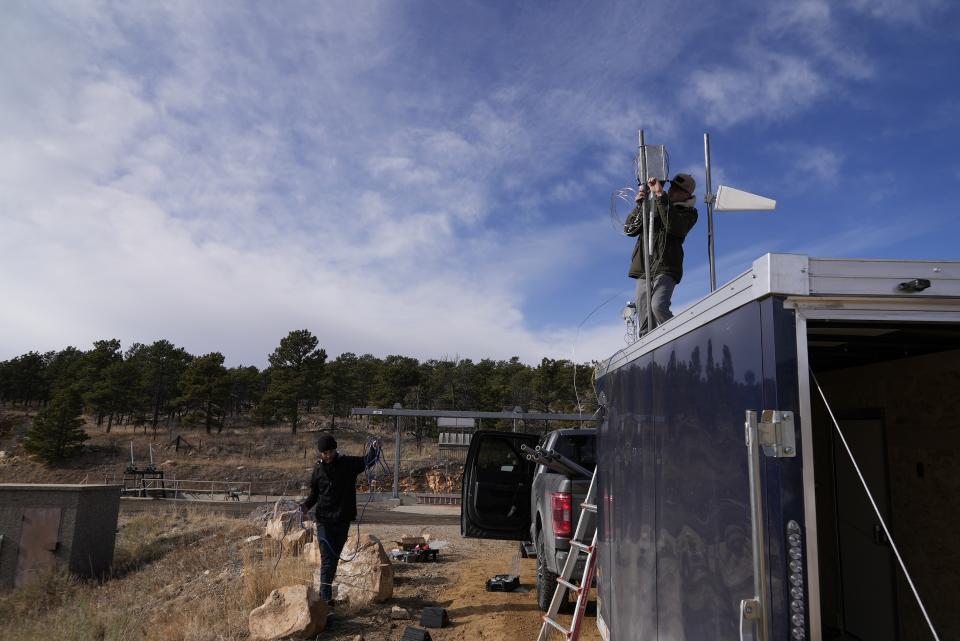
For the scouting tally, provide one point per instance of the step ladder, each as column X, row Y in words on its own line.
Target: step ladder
column 578, row 546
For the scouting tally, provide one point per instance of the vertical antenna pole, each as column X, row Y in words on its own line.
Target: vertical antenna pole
column 131, row 453
column 396, row 458
column 709, row 198
column 645, row 233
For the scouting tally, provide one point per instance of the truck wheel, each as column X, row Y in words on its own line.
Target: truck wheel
column 546, row 580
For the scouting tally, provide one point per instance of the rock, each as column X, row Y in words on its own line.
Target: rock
column 252, row 539
column 283, row 523
column 292, row 611
column 399, row 614
column 367, row 577
column 3, row 455
column 296, row 541
column 264, row 513
column 311, row 553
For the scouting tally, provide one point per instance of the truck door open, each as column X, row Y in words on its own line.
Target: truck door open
column 496, row 487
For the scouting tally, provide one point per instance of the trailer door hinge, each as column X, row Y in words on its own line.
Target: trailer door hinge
column 777, row 434
column 749, row 618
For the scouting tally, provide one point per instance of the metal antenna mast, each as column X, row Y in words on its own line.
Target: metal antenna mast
column 709, row 199
column 645, row 232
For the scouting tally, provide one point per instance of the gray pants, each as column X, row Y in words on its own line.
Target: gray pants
column 661, row 291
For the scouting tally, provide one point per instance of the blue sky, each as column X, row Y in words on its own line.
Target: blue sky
column 434, row 178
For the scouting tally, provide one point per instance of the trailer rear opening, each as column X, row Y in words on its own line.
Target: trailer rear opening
column 895, row 391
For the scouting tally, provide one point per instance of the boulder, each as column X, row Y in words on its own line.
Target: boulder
column 367, row 577
column 282, row 523
column 399, row 614
column 292, row 611
column 296, row 541
column 311, row 553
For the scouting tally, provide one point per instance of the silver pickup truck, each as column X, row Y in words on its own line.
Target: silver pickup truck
column 506, row 496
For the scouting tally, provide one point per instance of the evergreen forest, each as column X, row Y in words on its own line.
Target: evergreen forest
column 161, row 385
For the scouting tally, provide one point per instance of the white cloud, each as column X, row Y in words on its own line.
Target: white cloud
column 207, row 195
column 916, row 12
column 773, row 87
column 221, row 174
column 811, row 164
column 793, row 56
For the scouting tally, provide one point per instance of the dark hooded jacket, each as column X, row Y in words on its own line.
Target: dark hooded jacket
column 333, row 487
column 671, row 224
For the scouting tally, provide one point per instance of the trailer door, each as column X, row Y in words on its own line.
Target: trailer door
column 496, row 487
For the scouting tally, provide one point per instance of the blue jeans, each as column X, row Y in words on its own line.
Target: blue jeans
column 661, row 291
column 331, row 537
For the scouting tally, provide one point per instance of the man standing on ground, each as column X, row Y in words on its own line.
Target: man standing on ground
column 673, row 217
column 333, row 488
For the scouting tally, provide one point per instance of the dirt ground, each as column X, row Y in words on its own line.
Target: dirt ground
column 194, row 575
column 457, row 583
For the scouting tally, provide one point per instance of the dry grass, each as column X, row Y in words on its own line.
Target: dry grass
column 265, row 569
column 273, row 459
column 179, row 575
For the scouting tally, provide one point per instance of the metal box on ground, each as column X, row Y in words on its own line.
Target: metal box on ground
column 43, row 526
column 434, row 617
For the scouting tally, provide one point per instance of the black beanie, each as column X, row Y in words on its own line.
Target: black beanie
column 326, row 442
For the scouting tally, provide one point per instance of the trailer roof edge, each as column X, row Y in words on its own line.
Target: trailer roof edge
column 797, row 276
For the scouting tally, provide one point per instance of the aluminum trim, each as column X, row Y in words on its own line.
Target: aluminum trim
column 809, row 489
column 731, row 296
column 821, row 307
column 884, row 268
column 855, row 283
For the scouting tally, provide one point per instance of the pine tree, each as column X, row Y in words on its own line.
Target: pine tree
column 206, row 391
column 57, row 431
column 296, row 370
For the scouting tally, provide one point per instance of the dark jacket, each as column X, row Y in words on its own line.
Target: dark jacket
column 671, row 224
column 333, row 487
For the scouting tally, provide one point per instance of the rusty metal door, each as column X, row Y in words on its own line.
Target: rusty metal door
column 39, row 539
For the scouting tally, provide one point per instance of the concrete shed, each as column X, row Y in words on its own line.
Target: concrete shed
column 42, row 526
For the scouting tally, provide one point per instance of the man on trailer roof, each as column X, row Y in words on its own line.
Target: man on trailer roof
column 674, row 217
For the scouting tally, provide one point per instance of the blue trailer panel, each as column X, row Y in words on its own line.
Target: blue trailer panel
column 716, row 467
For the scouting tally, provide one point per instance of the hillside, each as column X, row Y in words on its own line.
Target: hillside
column 273, row 460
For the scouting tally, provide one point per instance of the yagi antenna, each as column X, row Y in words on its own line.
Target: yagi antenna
column 726, row 199
column 730, row 199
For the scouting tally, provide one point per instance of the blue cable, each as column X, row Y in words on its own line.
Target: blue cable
column 379, row 458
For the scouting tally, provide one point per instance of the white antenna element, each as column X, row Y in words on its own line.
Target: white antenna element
column 131, row 452
column 730, row 199
column 726, row 199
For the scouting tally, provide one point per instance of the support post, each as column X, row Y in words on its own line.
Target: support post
column 645, row 233
column 396, row 457
column 709, row 198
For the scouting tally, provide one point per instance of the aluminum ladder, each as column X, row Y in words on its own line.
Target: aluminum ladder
column 578, row 546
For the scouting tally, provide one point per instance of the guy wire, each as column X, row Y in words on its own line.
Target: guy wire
column 573, row 352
